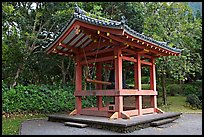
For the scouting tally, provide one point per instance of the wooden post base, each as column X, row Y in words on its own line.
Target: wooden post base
column 124, row 115
column 74, row 112
column 158, row 110
column 114, row 116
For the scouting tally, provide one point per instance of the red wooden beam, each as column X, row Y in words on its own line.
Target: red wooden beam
column 99, row 86
column 126, row 92
column 131, row 112
column 79, row 40
column 91, row 112
column 76, row 35
column 129, row 59
column 69, row 47
column 146, row 63
column 137, row 72
column 62, row 37
column 149, row 45
column 147, row 110
column 78, row 83
column 83, row 42
column 138, row 101
column 62, row 52
column 97, row 52
column 100, row 28
column 153, row 75
column 96, row 93
column 97, row 60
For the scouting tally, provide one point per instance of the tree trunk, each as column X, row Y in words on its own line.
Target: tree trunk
column 19, row 70
column 63, row 73
column 163, row 80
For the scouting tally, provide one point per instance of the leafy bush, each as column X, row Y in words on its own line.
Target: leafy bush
column 40, row 99
column 145, row 80
column 174, row 89
column 190, row 89
column 194, row 101
column 145, row 86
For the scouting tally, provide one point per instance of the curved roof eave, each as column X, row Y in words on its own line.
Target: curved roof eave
column 148, row 39
column 114, row 25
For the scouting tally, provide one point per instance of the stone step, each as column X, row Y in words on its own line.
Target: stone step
column 73, row 124
column 163, row 121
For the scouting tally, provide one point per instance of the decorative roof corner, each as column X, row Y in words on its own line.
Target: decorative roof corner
column 123, row 20
column 78, row 10
column 84, row 16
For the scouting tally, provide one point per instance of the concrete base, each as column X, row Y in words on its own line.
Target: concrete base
column 118, row 125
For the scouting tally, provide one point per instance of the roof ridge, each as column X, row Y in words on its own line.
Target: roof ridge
column 82, row 12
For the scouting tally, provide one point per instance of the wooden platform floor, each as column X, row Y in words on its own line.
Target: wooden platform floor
column 118, row 125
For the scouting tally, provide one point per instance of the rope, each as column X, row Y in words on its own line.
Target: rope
column 94, row 61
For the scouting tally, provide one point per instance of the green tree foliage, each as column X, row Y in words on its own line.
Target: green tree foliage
column 27, row 27
column 174, row 22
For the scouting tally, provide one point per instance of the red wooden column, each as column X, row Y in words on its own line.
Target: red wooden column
column 78, row 84
column 137, row 76
column 153, row 83
column 99, row 86
column 118, row 80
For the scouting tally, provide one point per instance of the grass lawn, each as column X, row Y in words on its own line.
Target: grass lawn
column 176, row 104
column 10, row 126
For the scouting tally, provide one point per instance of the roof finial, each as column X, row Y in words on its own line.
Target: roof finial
column 123, row 20
column 77, row 9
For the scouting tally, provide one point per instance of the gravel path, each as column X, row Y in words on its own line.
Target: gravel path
column 187, row 124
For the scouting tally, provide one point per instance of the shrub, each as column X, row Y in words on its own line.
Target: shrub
column 40, row 99
column 190, row 89
column 145, row 80
column 174, row 89
column 193, row 100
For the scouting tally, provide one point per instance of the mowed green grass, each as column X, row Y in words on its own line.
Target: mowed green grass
column 177, row 104
column 11, row 126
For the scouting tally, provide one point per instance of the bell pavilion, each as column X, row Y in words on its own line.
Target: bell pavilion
column 103, row 45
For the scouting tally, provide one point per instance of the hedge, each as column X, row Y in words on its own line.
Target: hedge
column 40, row 99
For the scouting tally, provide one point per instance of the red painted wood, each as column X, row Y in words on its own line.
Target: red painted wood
column 146, row 63
column 108, row 38
column 129, row 59
column 70, row 41
column 97, row 93
column 118, row 80
column 69, row 47
column 100, row 28
column 79, row 40
column 83, row 43
column 99, row 86
column 119, row 105
column 91, row 112
column 118, row 68
column 131, row 112
column 97, row 60
column 78, row 82
column 137, row 72
column 149, row 44
column 62, row 37
column 147, row 110
column 63, row 52
column 153, row 75
column 136, row 92
column 138, row 100
column 153, row 101
column 78, row 104
column 97, row 52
